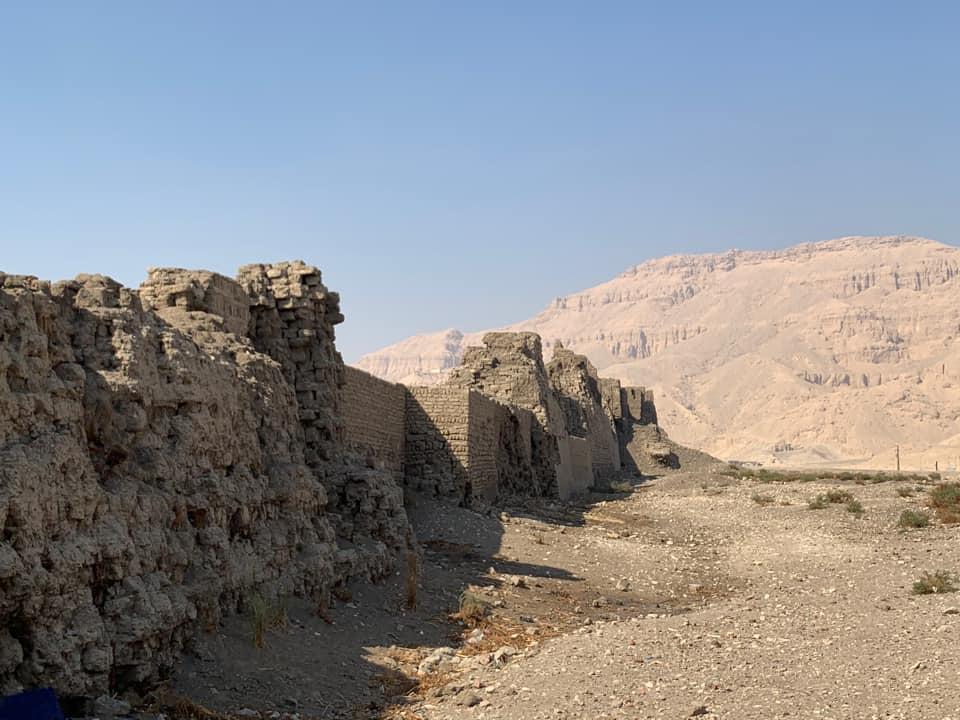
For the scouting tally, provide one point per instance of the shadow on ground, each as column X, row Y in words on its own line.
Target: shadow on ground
column 348, row 662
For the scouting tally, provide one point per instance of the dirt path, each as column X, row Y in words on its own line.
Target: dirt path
column 684, row 598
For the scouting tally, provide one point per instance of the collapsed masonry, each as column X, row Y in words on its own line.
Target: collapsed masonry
column 165, row 452
column 563, row 429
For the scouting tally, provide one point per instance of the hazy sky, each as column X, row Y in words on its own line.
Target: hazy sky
column 462, row 163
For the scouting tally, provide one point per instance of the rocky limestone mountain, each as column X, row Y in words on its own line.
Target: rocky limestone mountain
column 824, row 353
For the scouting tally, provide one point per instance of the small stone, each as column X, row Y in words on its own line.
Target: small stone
column 951, row 611
column 623, row 584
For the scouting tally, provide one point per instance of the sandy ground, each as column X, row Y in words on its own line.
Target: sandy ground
column 683, row 598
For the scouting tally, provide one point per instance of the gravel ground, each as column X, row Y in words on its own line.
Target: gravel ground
column 773, row 611
column 682, row 598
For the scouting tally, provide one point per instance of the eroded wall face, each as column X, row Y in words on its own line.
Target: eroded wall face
column 292, row 319
column 151, row 473
column 579, row 390
column 509, row 368
column 374, row 419
column 639, row 405
column 162, row 455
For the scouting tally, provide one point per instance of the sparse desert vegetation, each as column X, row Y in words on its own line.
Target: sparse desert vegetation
column 945, row 501
column 913, row 519
column 266, row 615
column 940, row 581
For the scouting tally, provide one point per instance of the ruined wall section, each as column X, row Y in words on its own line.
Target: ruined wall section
column 437, row 444
column 222, row 299
column 151, row 474
column 612, row 395
column 466, row 447
column 578, row 388
column 292, row 319
column 374, row 417
column 515, row 460
column 639, row 405
column 640, row 438
column 509, row 367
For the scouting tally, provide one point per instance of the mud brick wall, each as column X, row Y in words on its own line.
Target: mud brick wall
column 612, row 396
column 437, row 449
column 486, row 430
column 292, row 319
column 578, row 389
column 163, row 453
column 467, row 447
column 374, row 419
column 151, row 474
column 575, row 472
column 516, row 472
column 509, row 368
column 639, row 405
column 198, row 291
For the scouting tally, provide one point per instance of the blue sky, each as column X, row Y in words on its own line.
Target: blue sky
column 462, row 163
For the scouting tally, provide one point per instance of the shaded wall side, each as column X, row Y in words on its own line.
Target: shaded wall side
column 437, row 440
column 374, row 417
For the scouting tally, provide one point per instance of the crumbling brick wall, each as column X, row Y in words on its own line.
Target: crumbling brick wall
column 578, row 388
column 639, row 405
column 155, row 467
column 509, row 367
column 374, row 417
column 292, row 319
column 151, row 474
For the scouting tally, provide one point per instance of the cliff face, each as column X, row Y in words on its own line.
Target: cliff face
column 826, row 352
column 162, row 454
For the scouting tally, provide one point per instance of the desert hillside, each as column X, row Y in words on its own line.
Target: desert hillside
column 824, row 353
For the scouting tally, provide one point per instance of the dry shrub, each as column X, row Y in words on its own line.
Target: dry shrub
column 854, row 507
column 473, row 608
column 913, row 519
column 266, row 616
column 945, row 501
column 839, row 496
column 940, row 581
